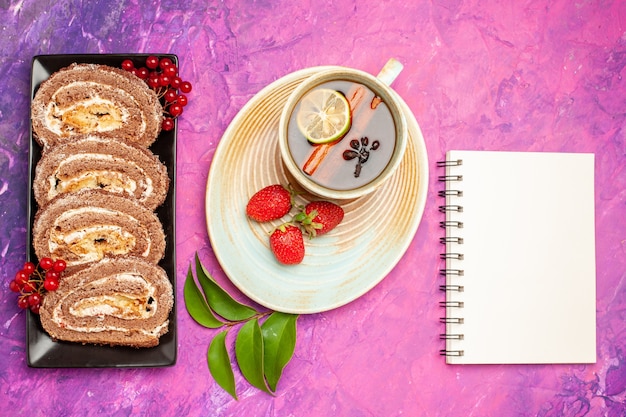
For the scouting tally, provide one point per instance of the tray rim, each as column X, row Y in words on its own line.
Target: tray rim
column 42, row 351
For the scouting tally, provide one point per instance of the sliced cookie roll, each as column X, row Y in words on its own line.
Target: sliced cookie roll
column 94, row 162
column 90, row 225
column 119, row 301
column 91, row 98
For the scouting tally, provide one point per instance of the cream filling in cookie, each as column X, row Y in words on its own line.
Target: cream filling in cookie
column 123, row 305
column 93, row 114
column 94, row 242
column 137, row 305
column 110, row 180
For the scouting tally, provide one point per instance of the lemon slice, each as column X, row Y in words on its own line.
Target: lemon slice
column 324, row 115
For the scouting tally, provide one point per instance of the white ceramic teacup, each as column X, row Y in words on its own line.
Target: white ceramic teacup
column 367, row 155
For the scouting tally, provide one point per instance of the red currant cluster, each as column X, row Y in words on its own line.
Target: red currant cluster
column 161, row 74
column 32, row 282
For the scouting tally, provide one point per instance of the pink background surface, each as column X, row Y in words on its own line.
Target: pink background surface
column 529, row 75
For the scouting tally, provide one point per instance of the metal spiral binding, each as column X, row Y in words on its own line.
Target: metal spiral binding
column 458, row 225
column 450, row 271
column 446, row 336
column 444, row 352
column 444, row 178
column 452, row 336
column 455, row 288
column 447, row 255
column 456, row 240
column 453, row 193
column 457, row 304
column 451, row 207
column 450, row 239
column 454, row 320
column 447, row 163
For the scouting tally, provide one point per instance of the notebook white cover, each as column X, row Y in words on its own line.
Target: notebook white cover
column 528, row 258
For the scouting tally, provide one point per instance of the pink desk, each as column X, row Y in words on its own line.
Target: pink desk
column 536, row 76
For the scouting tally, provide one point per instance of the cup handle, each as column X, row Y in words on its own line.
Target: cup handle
column 390, row 71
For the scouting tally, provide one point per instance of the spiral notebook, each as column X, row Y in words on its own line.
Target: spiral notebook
column 518, row 257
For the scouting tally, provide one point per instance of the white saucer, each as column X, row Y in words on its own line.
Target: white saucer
column 338, row 267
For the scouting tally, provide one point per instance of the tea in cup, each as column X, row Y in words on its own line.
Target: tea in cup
column 342, row 133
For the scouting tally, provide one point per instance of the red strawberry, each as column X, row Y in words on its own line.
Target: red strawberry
column 269, row 203
column 287, row 244
column 320, row 217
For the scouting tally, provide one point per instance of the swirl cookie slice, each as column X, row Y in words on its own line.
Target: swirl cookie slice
column 90, row 98
column 99, row 163
column 124, row 301
column 90, row 225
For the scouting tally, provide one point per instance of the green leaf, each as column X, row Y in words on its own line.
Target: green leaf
column 249, row 352
column 220, row 301
column 197, row 306
column 279, row 343
column 219, row 364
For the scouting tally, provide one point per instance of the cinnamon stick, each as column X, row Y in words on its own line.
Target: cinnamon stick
column 387, row 75
column 355, row 97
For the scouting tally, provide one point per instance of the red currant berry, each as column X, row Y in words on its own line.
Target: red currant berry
column 29, row 287
column 51, row 284
column 153, row 81
column 152, row 62
column 22, row 302
column 46, row 263
column 170, row 95
column 176, row 110
column 170, row 71
column 176, row 82
column 29, row 267
column 53, row 274
column 59, row 265
column 35, row 309
column 143, row 73
column 127, row 64
column 185, row 87
column 167, row 124
column 182, row 100
column 34, row 299
column 14, row 286
column 165, row 62
column 21, row 277
column 164, row 80
column 20, row 282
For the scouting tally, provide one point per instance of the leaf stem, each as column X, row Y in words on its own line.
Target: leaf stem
column 233, row 323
